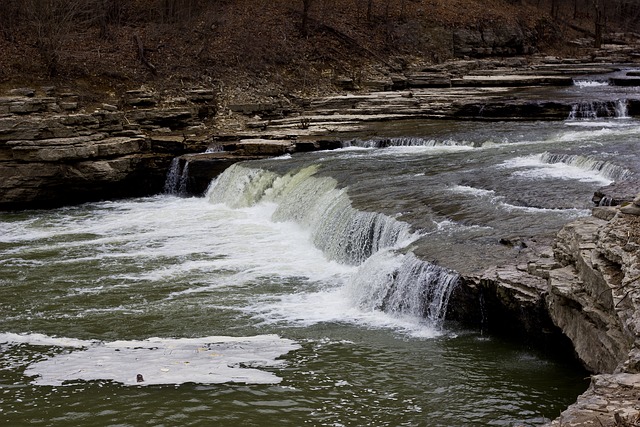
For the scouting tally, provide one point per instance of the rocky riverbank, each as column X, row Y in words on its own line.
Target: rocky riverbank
column 57, row 148
column 586, row 285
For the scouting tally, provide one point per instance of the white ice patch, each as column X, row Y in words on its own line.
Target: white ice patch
column 154, row 361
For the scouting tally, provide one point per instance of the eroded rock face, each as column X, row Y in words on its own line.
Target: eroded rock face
column 587, row 288
column 53, row 154
column 595, row 299
column 505, row 41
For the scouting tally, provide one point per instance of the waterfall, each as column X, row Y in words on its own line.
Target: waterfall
column 606, row 201
column 591, row 110
column 177, row 178
column 404, row 286
column 622, row 109
column 604, row 168
column 398, row 284
column 402, row 142
column 344, row 233
column 588, row 83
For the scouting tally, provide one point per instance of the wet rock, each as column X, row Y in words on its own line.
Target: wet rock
column 611, row 400
column 594, row 299
column 617, row 193
column 22, row 91
column 203, row 168
column 264, row 147
column 605, row 213
column 167, row 143
column 631, row 209
column 511, row 81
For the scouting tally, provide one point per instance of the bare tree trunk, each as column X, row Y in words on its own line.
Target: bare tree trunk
column 599, row 25
column 306, row 5
column 142, row 56
column 9, row 18
column 369, row 10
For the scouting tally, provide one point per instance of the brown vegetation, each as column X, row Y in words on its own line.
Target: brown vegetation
column 281, row 45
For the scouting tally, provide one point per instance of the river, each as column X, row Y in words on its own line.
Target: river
column 304, row 290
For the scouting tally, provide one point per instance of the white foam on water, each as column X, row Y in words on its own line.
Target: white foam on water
column 465, row 189
column 590, row 83
column 597, row 130
column 533, row 167
column 196, row 237
column 389, row 291
column 334, row 305
column 207, row 360
column 569, row 213
column 449, row 226
column 422, row 149
column 45, row 340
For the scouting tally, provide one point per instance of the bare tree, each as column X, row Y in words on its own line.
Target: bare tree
column 52, row 21
column 306, row 6
column 599, row 24
column 11, row 10
column 108, row 13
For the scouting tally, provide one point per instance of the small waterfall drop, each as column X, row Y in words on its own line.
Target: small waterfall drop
column 404, row 286
column 344, row 233
column 589, row 83
column 177, row 178
column 622, row 109
column 606, row 201
column 606, row 169
column 398, row 284
column 403, row 142
column 592, row 110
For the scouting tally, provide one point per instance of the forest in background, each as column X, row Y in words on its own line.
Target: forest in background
column 278, row 44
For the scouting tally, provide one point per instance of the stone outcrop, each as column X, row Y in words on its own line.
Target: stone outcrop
column 595, row 299
column 582, row 295
column 493, row 41
column 53, row 152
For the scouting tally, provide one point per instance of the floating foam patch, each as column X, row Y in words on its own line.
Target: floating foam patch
column 208, row 360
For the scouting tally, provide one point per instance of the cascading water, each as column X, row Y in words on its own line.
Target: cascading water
column 403, row 142
column 592, row 110
column 307, row 286
column 401, row 286
column 606, row 169
column 177, row 178
column 404, row 286
column 622, row 110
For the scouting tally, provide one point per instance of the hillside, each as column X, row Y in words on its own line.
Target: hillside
column 253, row 48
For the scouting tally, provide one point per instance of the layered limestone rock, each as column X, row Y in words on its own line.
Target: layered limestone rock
column 499, row 40
column 53, row 152
column 586, row 288
column 595, row 299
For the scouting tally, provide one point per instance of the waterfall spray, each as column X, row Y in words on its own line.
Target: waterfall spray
column 398, row 284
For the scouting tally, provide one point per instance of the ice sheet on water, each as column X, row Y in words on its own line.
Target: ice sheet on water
column 208, row 360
